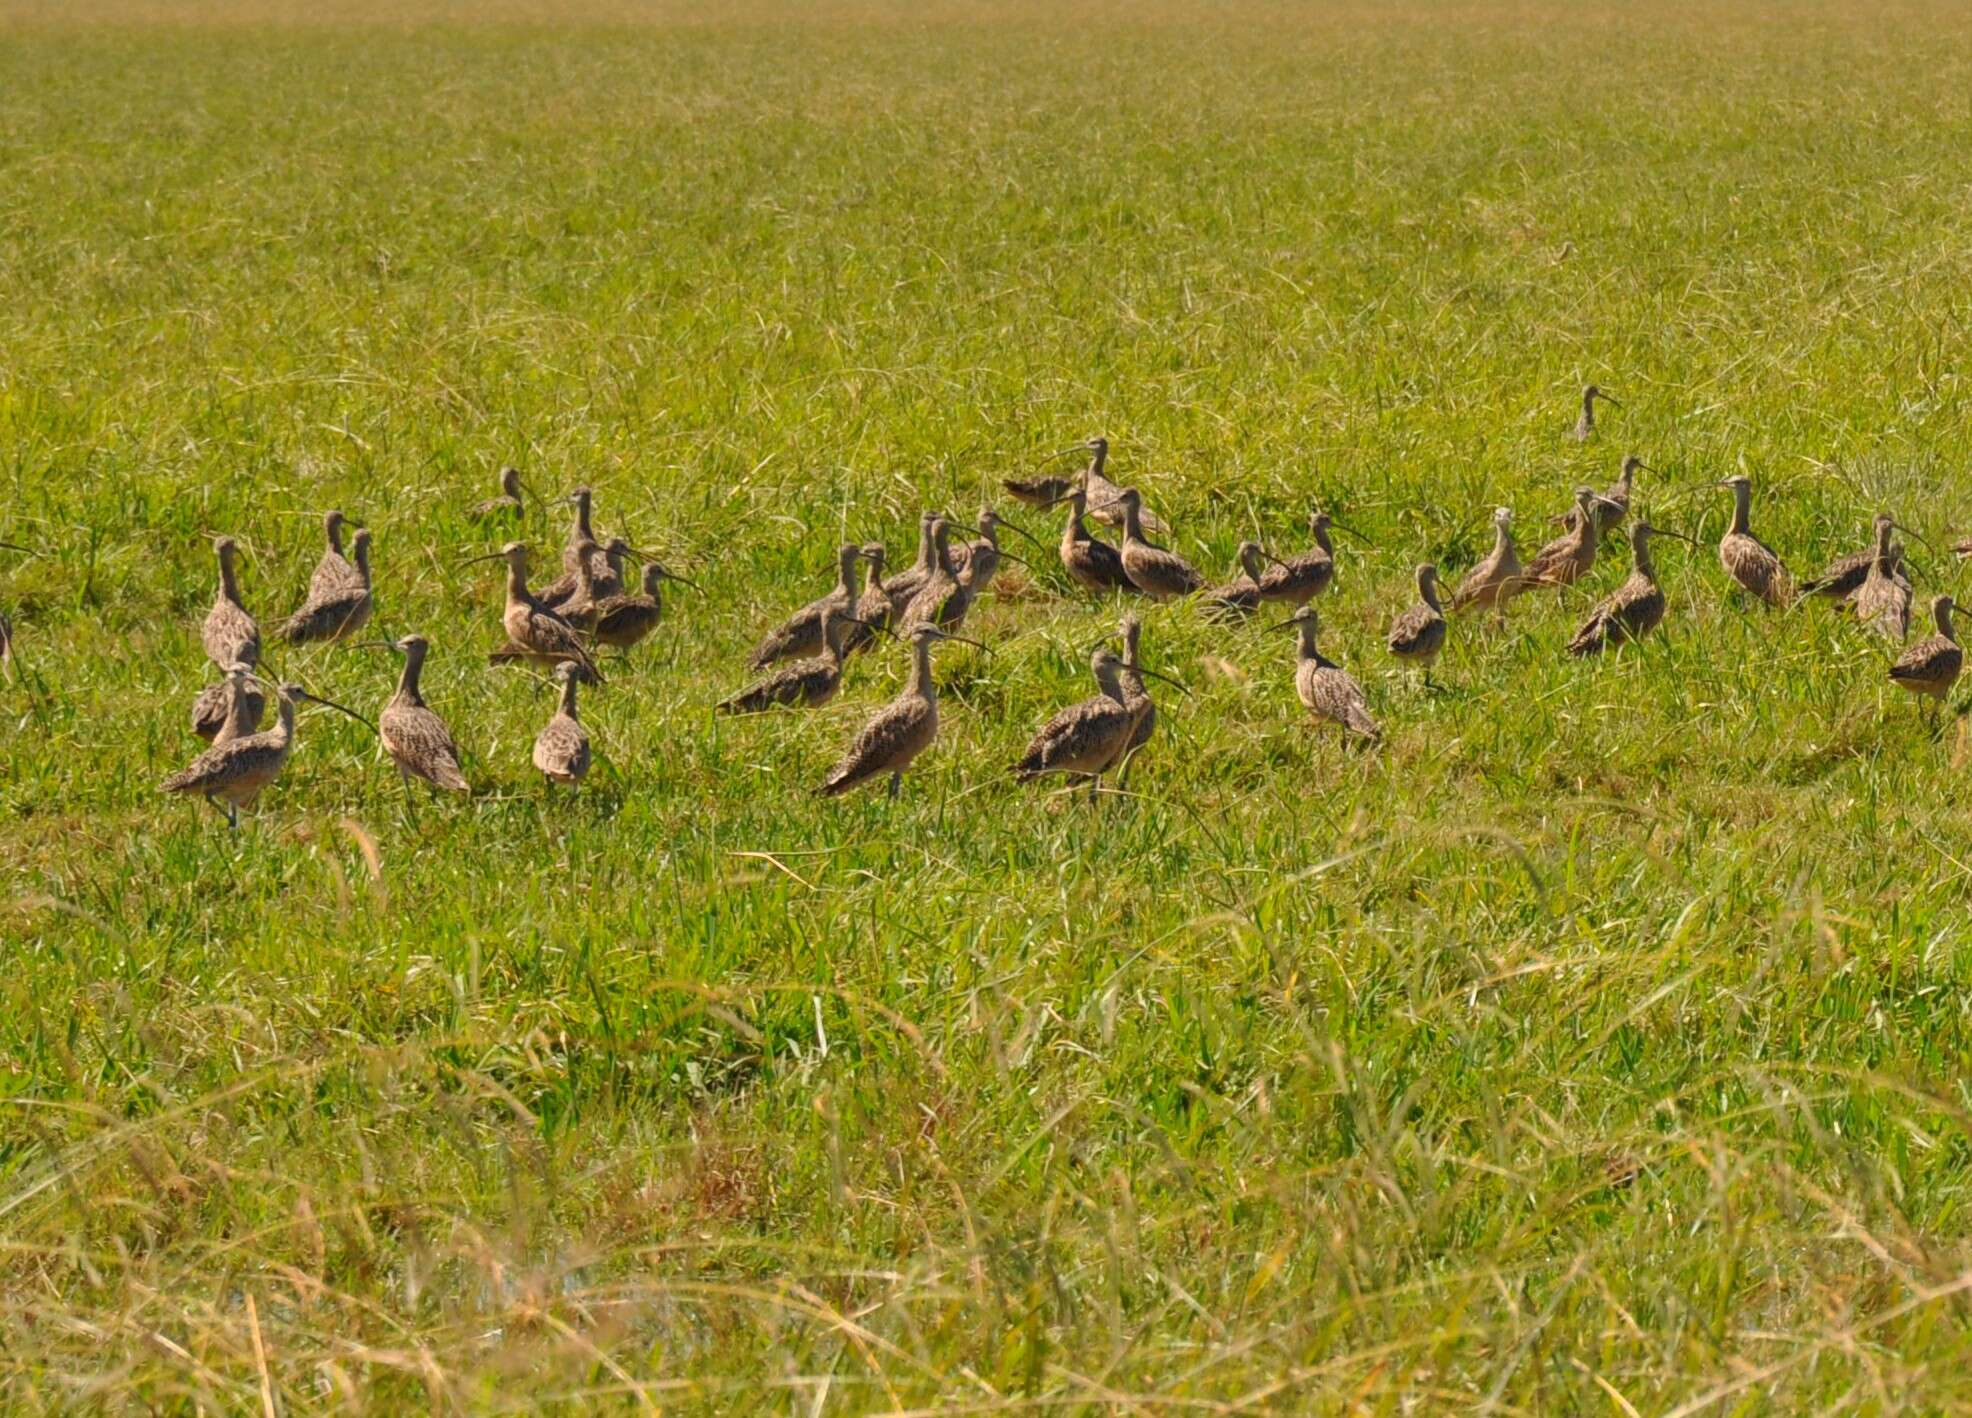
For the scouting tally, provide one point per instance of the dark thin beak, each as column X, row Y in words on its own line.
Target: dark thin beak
column 1345, row 527
column 373, row 645
column 1610, row 399
column 1024, row 533
column 1009, row 556
column 15, row 546
column 681, row 580
column 489, row 556
column 331, row 704
column 1178, row 685
column 1288, row 624
column 1677, row 536
column 1909, row 533
column 964, row 640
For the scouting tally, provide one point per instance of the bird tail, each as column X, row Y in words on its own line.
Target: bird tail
column 1360, row 722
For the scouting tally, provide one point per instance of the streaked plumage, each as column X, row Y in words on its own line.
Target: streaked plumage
column 800, row 635
column 1327, row 690
column 1105, row 498
column 230, row 635
column 1296, row 580
column 625, row 619
column 1883, row 600
column 561, row 749
column 231, row 708
column 1748, row 560
column 1844, row 575
column 873, row 607
column 806, row 684
column 1136, row 694
column 1092, row 564
column 579, row 606
column 581, row 531
column 1418, row 634
column 1039, row 493
column 1160, row 574
column 333, row 571
column 906, row 583
column 894, row 737
column 1931, row 666
column 1241, row 595
column 1570, row 556
column 979, row 561
column 1585, row 423
column 1632, row 610
column 1084, row 739
column 535, row 633
column 1612, row 504
column 508, row 504
column 1498, row 578
column 232, row 774
column 943, row 600
column 336, row 607
column 416, row 738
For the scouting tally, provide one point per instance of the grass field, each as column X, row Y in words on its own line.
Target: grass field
column 1599, row 1043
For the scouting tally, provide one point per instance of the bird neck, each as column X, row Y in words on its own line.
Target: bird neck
column 1306, row 633
column 1640, row 554
column 284, row 721
column 517, row 581
column 1502, row 539
column 1130, row 641
column 1109, row 680
column 585, row 576
column 333, row 529
column 1132, row 522
column 1097, row 457
column 921, row 684
column 1073, row 531
column 1941, row 613
column 1742, row 511
column 654, row 584
column 1322, row 539
column 229, row 580
column 845, row 574
column 407, row 679
column 1883, row 548
column 582, row 531
column 363, row 560
column 510, row 483
column 941, row 550
column 874, row 581
column 568, row 696
column 1249, row 562
column 1591, row 534
column 1427, row 590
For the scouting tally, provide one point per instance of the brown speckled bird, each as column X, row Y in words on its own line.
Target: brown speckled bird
column 338, row 605
column 800, row 635
column 1845, row 575
column 229, row 634
column 1240, row 595
column 873, row 607
column 803, row 684
column 1086, row 738
column 581, row 532
column 232, row 708
column 1105, row 502
column 1091, row 563
column 1883, row 600
column 536, row 633
column 231, row 775
column 561, row 749
column 416, row 738
column 1749, row 561
column 1634, row 608
column 904, row 584
column 1160, row 574
column 1585, row 422
column 623, row 620
column 509, row 504
column 1570, row 556
column 1418, row 634
column 1298, row 579
column 894, row 737
column 1612, row 504
column 943, row 600
column 1931, row 666
column 1330, row 693
column 1498, row 578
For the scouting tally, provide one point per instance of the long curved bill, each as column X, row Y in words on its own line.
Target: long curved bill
column 489, row 556
column 964, row 640
column 331, row 704
column 1176, row 684
column 1030, row 537
column 1010, row 556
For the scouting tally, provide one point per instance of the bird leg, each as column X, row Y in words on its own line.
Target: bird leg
column 896, row 784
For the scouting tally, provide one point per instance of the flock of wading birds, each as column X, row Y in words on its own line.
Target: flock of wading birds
column 562, row 627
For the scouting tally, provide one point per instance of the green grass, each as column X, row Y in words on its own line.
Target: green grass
column 1600, row 1043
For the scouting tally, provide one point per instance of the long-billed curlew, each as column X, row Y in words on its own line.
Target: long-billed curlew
column 873, row 608
column 1091, row 563
column 416, row 738
column 1136, row 694
column 229, row 634
column 1296, row 580
column 943, row 600
column 1087, row 738
column 1612, row 504
column 978, row 561
column 623, row 620
column 1883, row 599
column 333, row 570
column 1418, row 634
column 561, row 749
column 232, row 708
column 231, row 775
column 1328, row 691
column 891, row 741
column 1498, row 578
column 535, row 633
column 579, row 606
column 1634, row 608
column 581, row 532
column 1570, row 556
column 1930, row 667
column 800, row 635
column 1241, row 595
column 1585, row 424
column 1105, row 502
column 1748, row 560
column 336, row 608
column 904, row 584
column 1845, row 575
column 509, row 505
column 1160, row 574
column 805, row 684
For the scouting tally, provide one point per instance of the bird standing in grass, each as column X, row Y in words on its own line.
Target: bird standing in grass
column 508, row 505
column 873, row 607
column 416, row 738
column 561, row 749
column 1328, row 691
column 894, row 737
column 1136, row 694
column 1749, row 561
column 1931, row 666
column 1570, row 556
column 1612, row 504
column 905, row 584
column 1845, row 574
column 623, row 620
column 800, row 635
column 1160, row 574
column 1498, row 578
column 230, row 709
column 1418, row 634
column 1105, row 498
column 977, row 562
column 581, row 533
column 339, row 599
column 1883, row 600
column 1296, row 580
column 229, row 634
column 807, row 684
column 1084, row 739
column 1090, row 562
column 1585, row 423
column 1634, row 608
column 231, row 775
column 535, row 632
column 943, row 600
column 1241, row 595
